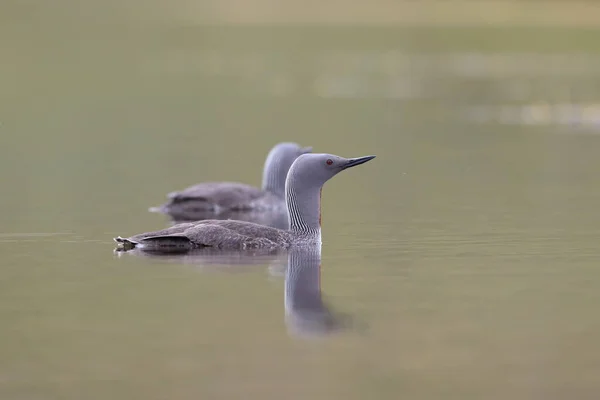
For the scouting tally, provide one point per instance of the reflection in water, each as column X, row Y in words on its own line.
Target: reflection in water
column 396, row 74
column 306, row 314
column 534, row 88
column 211, row 256
column 566, row 114
column 275, row 219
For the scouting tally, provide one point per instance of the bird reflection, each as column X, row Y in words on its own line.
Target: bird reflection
column 208, row 256
column 306, row 314
column 275, row 219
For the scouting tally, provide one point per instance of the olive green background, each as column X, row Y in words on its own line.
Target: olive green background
column 468, row 248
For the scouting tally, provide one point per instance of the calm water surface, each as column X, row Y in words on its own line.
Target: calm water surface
column 461, row 263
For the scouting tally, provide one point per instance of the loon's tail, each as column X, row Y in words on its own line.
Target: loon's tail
column 124, row 244
column 158, row 209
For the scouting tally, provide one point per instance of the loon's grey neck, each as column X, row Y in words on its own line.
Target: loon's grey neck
column 274, row 175
column 304, row 209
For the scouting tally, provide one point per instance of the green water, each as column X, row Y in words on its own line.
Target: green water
column 467, row 251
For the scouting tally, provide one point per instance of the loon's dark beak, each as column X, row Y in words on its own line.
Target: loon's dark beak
column 306, row 150
column 353, row 162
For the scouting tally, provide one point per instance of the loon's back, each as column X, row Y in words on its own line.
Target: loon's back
column 222, row 234
column 217, row 197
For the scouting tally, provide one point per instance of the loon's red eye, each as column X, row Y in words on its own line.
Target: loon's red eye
column 329, row 162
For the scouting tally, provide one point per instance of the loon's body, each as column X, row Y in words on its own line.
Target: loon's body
column 216, row 233
column 213, row 199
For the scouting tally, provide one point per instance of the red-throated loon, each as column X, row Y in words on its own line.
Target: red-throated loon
column 303, row 185
column 209, row 199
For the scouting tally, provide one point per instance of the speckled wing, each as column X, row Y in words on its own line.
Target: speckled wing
column 222, row 234
column 215, row 195
column 252, row 230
